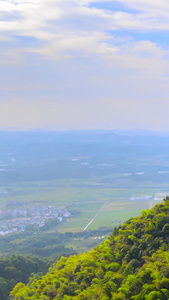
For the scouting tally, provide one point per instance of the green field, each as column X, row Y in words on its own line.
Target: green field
column 83, row 198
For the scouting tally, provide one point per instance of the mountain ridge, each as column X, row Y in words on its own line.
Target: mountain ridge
column 133, row 263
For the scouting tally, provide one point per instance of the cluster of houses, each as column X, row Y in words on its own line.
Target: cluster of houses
column 19, row 218
column 142, row 198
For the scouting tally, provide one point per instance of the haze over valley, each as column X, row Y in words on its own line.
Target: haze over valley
column 77, row 182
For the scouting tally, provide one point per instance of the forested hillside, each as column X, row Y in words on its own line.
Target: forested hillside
column 133, row 263
column 16, row 268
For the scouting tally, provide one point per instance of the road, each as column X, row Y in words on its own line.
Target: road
column 94, row 217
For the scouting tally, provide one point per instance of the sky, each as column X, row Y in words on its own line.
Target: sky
column 81, row 64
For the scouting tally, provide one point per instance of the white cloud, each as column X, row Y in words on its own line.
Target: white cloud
column 63, row 28
column 141, row 58
column 77, row 70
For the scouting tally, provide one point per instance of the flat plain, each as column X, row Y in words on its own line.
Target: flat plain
column 84, row 200
column 97, row 179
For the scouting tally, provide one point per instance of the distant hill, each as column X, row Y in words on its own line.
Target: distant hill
column 133, row 263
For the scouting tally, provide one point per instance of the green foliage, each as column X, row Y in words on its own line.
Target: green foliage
column 18, row 268
column 131, row 264
column 33, row 242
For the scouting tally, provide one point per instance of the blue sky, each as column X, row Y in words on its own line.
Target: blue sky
column 82, row 64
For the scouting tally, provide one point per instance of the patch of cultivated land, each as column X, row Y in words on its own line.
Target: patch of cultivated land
column 84, row 199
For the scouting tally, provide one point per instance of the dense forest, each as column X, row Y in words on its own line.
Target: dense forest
column 17, row 268
column 41, row 244
column 133, row 263
column 47, row 244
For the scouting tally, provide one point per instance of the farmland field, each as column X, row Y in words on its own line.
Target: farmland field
column 83, row 201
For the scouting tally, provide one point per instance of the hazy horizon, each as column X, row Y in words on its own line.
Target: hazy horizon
column 131, row 131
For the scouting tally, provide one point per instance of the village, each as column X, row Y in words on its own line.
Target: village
column 19, row 219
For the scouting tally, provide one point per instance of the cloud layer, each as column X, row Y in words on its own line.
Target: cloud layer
column 63, row 27
column 83, row 63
